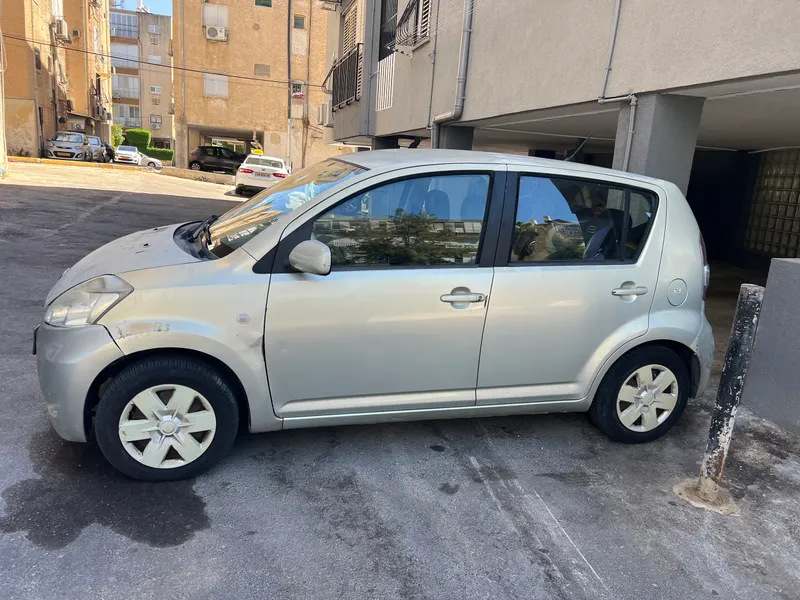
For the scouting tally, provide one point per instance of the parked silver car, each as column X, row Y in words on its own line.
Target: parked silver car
column 382, row 286
column 68, row 145
column 97, row 149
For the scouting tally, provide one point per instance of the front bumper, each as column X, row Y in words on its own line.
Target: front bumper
column 126, row 159
column 68, row 360
column 81, row 156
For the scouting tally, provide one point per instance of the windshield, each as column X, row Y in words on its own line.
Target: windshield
column 240, row 224
column 127, row 148
column 94, row 141
column 68, row 137
column 272, row 163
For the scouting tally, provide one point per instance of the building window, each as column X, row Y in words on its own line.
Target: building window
column 154, row 29
column 154, row 59
column 261, row 70
column 155, row 119
column 413, row 27
column 267, row 3
column 215, row 85
column 155, row 89
column 299, row 22
column 125, row 55
column 37, row 58
column 126, row 115
column 297, row 88
column 124, row 25
column 124, row 86
column 215, row 15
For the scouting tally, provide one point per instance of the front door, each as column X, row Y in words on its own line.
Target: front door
column 577, row 268
column 397, row 323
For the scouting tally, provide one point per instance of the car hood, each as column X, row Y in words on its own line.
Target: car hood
column 146, row 249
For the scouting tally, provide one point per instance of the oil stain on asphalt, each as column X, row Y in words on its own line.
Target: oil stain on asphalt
column 77, row 488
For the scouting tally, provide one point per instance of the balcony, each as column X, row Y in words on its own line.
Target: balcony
column 125, row 31
column 127, row 122
column 125, row 92
column 347, row 78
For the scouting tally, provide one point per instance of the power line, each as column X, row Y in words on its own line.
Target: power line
column 149, row 64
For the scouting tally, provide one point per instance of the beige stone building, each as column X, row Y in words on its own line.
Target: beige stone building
column 249, row 73
column 58, row 75
column 141, row 54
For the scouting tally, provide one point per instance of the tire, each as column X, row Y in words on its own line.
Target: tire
column 195, row 166
column 209, row 389
column 606, row 415
column 239, row 190
column 152, row 165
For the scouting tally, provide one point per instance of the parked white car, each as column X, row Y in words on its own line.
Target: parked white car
column 131, row 155
column 258, row 172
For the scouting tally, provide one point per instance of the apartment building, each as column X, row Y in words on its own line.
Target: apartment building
column 704, row 94
column 58, row 74
column 141, row 54
column 249, row 74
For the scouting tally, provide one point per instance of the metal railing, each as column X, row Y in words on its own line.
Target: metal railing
column 125, row 92
column 347, row 78
column 128, row 121
column 125, row 31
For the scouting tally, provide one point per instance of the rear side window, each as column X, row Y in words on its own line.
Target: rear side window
column 264, row 162
column 559, row 219
column 420, row 221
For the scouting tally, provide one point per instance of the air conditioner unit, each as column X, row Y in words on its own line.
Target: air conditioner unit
column 217, row 34
column 325, row 115
column 78, row 126
column 155, row 125
column 62, row 30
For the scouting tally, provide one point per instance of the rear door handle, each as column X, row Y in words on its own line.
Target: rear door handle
column 458, row 298
column 629, row 291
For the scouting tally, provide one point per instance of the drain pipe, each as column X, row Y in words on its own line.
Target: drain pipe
column 631, row 98
column 461, row 79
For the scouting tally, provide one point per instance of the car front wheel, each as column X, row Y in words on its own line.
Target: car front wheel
column 642, row 396
column 166, row 418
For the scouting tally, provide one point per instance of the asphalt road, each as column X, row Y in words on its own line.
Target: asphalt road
column 527, row 507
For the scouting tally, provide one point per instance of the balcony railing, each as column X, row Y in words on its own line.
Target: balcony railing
column 125, row 92
column 347, row 78
column 127, row 121
column 125, row 31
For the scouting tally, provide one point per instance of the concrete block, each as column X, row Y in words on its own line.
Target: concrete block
column 771, row 386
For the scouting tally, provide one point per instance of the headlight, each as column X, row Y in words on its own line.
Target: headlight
column 51, row 145
column 86, row 302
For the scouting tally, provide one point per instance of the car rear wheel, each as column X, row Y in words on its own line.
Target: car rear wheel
column 642, row 396
column 195, row 166
column 166, row 418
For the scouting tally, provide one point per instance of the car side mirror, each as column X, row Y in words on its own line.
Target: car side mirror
column 311, row 256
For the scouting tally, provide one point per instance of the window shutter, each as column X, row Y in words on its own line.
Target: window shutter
column 424, row 19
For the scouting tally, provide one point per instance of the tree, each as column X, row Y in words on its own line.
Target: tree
column 116, row 135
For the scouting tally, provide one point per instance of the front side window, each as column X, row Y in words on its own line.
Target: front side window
column 435, row 220
column 574, row 220
column 240, row 224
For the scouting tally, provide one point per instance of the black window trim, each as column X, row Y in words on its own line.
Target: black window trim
column 503, row 256
column 487, row 245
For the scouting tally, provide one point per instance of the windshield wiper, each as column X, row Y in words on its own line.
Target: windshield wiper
column 203, row 227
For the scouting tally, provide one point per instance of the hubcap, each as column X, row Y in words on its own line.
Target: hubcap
column 167, row 426
column 647, row 398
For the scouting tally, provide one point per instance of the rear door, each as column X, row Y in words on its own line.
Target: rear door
column 397, row 323
column 577, row 266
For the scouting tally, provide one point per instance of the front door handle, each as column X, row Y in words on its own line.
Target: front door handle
column 459, row 298
column 629, row 291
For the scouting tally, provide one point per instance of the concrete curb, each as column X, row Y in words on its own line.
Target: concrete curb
column 198, row 175
column 52, row 161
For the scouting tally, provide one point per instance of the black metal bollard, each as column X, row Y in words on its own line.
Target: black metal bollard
column 731, row 384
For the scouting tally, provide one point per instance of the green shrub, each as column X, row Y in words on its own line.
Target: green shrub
column 164, row 154
column 139, row 138
column 116, row 135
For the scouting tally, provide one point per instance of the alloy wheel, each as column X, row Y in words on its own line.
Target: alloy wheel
column 647, row 398
column 167, row 426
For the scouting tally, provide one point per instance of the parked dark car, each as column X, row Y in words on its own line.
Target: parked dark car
column 110, row 151
column 215, row 158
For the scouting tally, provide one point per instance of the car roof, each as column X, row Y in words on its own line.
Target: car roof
column 406, row 157
column 253, row 155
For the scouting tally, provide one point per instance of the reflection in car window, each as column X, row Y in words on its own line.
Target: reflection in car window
column 127, row 148
column 264, row 162
column 240, row 224
column 564, row 219
column 421, row 221
column 74, row 138
column 95, row 141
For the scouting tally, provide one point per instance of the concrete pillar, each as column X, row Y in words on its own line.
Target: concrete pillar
column 664, row 136
column 182, row 149
column 385, row 143
column 456, row 138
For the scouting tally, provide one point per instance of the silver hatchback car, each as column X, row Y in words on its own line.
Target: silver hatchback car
column 382, row 286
